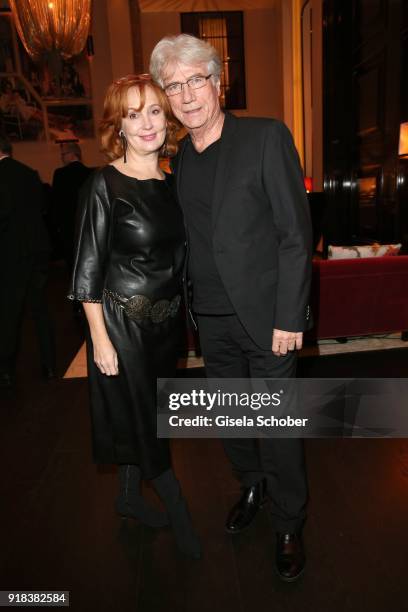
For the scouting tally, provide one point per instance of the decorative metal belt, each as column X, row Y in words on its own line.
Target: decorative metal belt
column 139, row 307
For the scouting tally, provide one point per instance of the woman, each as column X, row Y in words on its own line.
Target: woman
column 127, row 272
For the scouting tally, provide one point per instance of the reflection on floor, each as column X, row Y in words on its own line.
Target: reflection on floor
column 59, row 531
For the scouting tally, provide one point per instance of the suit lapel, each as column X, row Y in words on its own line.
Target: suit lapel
column 223, row 165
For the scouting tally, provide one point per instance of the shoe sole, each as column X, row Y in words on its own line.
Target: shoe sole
column 286, row 579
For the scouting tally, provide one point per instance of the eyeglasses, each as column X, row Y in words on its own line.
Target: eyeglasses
column 196, row 82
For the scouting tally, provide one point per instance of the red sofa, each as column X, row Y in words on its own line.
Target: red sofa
column 357, row 297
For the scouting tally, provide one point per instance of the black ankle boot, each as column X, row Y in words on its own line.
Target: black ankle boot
column 131, row 504
column 168, row 487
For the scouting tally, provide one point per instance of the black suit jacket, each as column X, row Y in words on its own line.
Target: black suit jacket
column 66, row 184
column 22, row 230
column 261, row 230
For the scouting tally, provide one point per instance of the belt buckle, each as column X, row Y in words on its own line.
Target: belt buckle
column 138, row 307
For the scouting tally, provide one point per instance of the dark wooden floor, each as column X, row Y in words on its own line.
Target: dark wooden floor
column 59, row 531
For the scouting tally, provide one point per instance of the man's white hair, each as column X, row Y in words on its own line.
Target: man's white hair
column 185, row 49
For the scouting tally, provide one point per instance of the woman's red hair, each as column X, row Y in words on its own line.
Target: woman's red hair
column 115, row 107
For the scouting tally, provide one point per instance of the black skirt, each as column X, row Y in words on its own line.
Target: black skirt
column 123, row 407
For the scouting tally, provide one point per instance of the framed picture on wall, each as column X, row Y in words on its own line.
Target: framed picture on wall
column 70, row 79
column 70, row 121
column 22, row 117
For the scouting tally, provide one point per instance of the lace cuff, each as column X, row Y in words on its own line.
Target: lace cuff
column 81, row 297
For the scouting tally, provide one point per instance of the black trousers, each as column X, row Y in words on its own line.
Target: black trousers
column 25, row 286
column 229, row 352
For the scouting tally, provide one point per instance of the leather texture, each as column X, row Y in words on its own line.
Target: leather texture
column 131, row 238
column 130, row 241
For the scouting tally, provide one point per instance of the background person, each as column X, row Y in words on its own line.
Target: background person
column 66, row 184
column 24, row 256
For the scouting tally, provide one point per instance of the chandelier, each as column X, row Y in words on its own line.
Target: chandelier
column 46, row 27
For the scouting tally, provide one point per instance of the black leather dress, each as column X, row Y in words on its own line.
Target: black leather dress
column 131, row 244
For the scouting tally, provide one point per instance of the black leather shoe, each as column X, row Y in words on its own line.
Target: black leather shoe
column 244, row 511
column 290, row 556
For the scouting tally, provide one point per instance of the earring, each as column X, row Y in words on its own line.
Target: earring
column 124, row 144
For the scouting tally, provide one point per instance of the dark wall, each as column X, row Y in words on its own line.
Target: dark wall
column 366, row 98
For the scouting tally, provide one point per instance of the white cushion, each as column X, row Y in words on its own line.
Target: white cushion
column 369, row 250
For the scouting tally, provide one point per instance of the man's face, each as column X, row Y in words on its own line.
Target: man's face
column 194, row 108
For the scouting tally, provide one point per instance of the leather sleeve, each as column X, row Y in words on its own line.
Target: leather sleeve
column 92, row 242
column 283, row 180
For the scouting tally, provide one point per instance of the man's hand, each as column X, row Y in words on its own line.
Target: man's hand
column 283, row 341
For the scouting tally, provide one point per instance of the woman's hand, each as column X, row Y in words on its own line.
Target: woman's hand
column 106, row 357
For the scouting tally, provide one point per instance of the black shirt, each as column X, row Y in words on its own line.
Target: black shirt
column 197, row 182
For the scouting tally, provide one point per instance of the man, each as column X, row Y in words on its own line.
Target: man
column 241, row 188
column 66, row 183
column 24, row 254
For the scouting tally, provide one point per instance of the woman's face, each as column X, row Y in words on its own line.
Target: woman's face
column 145, row 130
